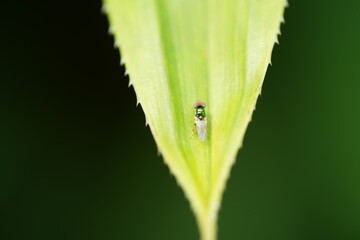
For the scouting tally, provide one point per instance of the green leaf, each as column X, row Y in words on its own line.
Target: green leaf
column 180, row 51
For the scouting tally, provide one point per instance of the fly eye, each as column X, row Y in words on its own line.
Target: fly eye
column 199, row 104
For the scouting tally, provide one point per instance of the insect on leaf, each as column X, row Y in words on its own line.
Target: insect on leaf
column 178, row 52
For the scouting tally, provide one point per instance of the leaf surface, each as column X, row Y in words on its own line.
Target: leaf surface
column 180, row 51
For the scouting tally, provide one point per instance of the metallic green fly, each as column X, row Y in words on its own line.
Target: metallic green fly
column 200, row 120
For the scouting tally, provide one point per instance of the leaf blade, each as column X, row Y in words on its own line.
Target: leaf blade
column 179, row 52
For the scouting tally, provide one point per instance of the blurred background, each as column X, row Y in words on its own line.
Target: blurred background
column 76, row 161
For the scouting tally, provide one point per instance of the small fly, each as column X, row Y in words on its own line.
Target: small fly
column 200, row 120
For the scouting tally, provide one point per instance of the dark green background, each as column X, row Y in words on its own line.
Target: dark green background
column 76, row 161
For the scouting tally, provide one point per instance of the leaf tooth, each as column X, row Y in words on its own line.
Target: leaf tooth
column 126, row 72
column 104, row 8
column 116, row 44
column 111, row 31
column 122, row 61
column 282, row 20
column 276, row 39
column 130, row 83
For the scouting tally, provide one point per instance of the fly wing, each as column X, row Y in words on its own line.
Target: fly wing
column 201, row 129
